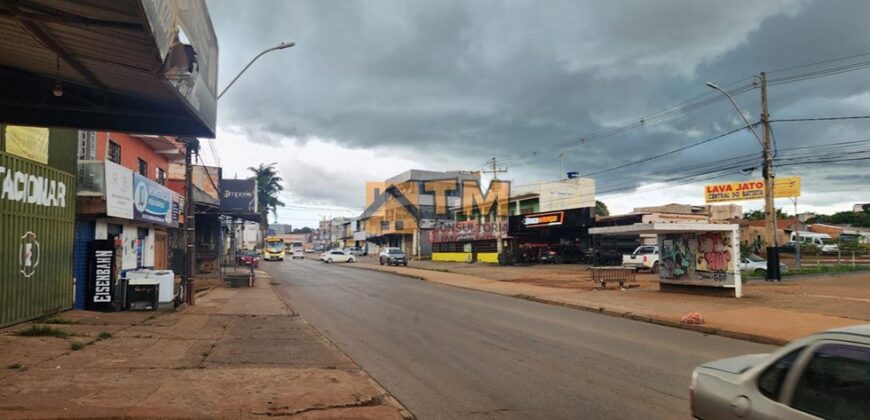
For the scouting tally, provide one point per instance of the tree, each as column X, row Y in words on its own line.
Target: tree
column 601, row 209
column 759, row 214
column 268, row 187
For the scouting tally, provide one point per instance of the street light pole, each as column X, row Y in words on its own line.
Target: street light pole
column 280, row 46
column 773, row 273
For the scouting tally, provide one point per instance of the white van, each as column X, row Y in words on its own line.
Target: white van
column 819, row 240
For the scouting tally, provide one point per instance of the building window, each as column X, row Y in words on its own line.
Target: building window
column 114, row 152
column 143, row 168
column 161, row 176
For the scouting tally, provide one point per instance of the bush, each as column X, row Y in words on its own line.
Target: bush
column 76, row 345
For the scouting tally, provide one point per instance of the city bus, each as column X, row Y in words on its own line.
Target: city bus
column 274, row 249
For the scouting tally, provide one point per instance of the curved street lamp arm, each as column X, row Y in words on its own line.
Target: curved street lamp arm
column 280, row 46
column 727, row 95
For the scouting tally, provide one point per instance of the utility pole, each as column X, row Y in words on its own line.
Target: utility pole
column 797, row 236
column 769, row 206
column 495, row 170
column 190, row 144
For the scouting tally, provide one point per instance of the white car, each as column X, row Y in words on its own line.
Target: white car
column 644, row 257
column 337, row 255
column 297, row 253
column 754, row 264
column 822, row 376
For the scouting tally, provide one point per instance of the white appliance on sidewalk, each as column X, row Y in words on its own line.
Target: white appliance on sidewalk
column 165, row 278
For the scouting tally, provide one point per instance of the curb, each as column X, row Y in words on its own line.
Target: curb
column 762, row 339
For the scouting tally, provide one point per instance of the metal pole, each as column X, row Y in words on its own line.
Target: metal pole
column 797, row 237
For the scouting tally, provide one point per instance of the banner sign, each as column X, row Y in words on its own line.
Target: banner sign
column 468, row 231
column 752, row 190
column 119, row 191
column 27, row 142
column 544, row 219
column 101, row 284
column 239, row 195
column 153, row 202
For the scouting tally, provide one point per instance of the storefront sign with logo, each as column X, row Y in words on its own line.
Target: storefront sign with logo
column 152, row 202
column 468, row 231
column 239, row 195
column 101, row 287
column 544, row 219
column 752, row 190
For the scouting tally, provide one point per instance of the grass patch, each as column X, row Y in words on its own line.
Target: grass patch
column 15, row 366
column 42, row 331
column 103, row 336
column 56, row 320
column 76, row 345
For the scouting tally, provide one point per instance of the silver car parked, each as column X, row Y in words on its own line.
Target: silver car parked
column 824, row 375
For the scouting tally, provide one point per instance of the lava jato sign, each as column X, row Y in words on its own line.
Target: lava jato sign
column 752, row 190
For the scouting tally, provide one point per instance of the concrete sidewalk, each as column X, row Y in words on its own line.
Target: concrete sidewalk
column 768, row 313
column 239, row 353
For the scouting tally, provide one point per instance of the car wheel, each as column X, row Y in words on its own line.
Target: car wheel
column 350, row 260
column 405, row 264
column 655, row 267
column 329, row 260
column 762, row 272
column 381, row 261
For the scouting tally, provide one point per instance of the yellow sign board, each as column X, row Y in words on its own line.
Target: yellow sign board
column 27, row 142
column 752, row 190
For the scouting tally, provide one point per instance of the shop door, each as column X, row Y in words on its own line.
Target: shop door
column 161, row 249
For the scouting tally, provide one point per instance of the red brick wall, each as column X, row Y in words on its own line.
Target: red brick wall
column 830, row 230
column 132, row 149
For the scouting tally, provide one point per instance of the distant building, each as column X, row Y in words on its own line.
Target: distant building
column 860, row 206
column 280, row 229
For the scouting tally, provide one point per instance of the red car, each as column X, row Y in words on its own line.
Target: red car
column 248, row 258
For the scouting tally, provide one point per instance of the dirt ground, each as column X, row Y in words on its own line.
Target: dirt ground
column 239, row 353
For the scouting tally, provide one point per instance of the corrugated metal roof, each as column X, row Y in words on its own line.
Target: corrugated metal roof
column 107, row 45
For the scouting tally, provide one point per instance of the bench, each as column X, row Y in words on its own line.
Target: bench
column 621, row 275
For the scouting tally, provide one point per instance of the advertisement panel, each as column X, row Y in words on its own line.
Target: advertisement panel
column 119, row 191
column 153, row 202
column 785, row 187
column 27, row 142
column 239, row 195
column 101, row 282
column 468, row 231
column 705, row 259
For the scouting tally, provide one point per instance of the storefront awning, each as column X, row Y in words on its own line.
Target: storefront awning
column 143, row 66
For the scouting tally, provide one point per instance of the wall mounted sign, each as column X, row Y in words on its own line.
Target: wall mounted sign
column 544, row 219
column 153, row 202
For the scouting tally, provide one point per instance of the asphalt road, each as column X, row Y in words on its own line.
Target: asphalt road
column 446, row 352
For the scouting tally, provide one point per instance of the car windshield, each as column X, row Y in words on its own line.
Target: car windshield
column 248, row 253
column 755, row 258
column 395, row 251
column 827, row 241
column 645, row 250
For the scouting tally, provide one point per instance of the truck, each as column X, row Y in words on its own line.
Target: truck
column 644, row 257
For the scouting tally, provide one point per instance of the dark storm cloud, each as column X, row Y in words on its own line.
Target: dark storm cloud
column 474, row 79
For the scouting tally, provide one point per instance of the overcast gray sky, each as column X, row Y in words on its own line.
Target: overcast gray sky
column 375, row 88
